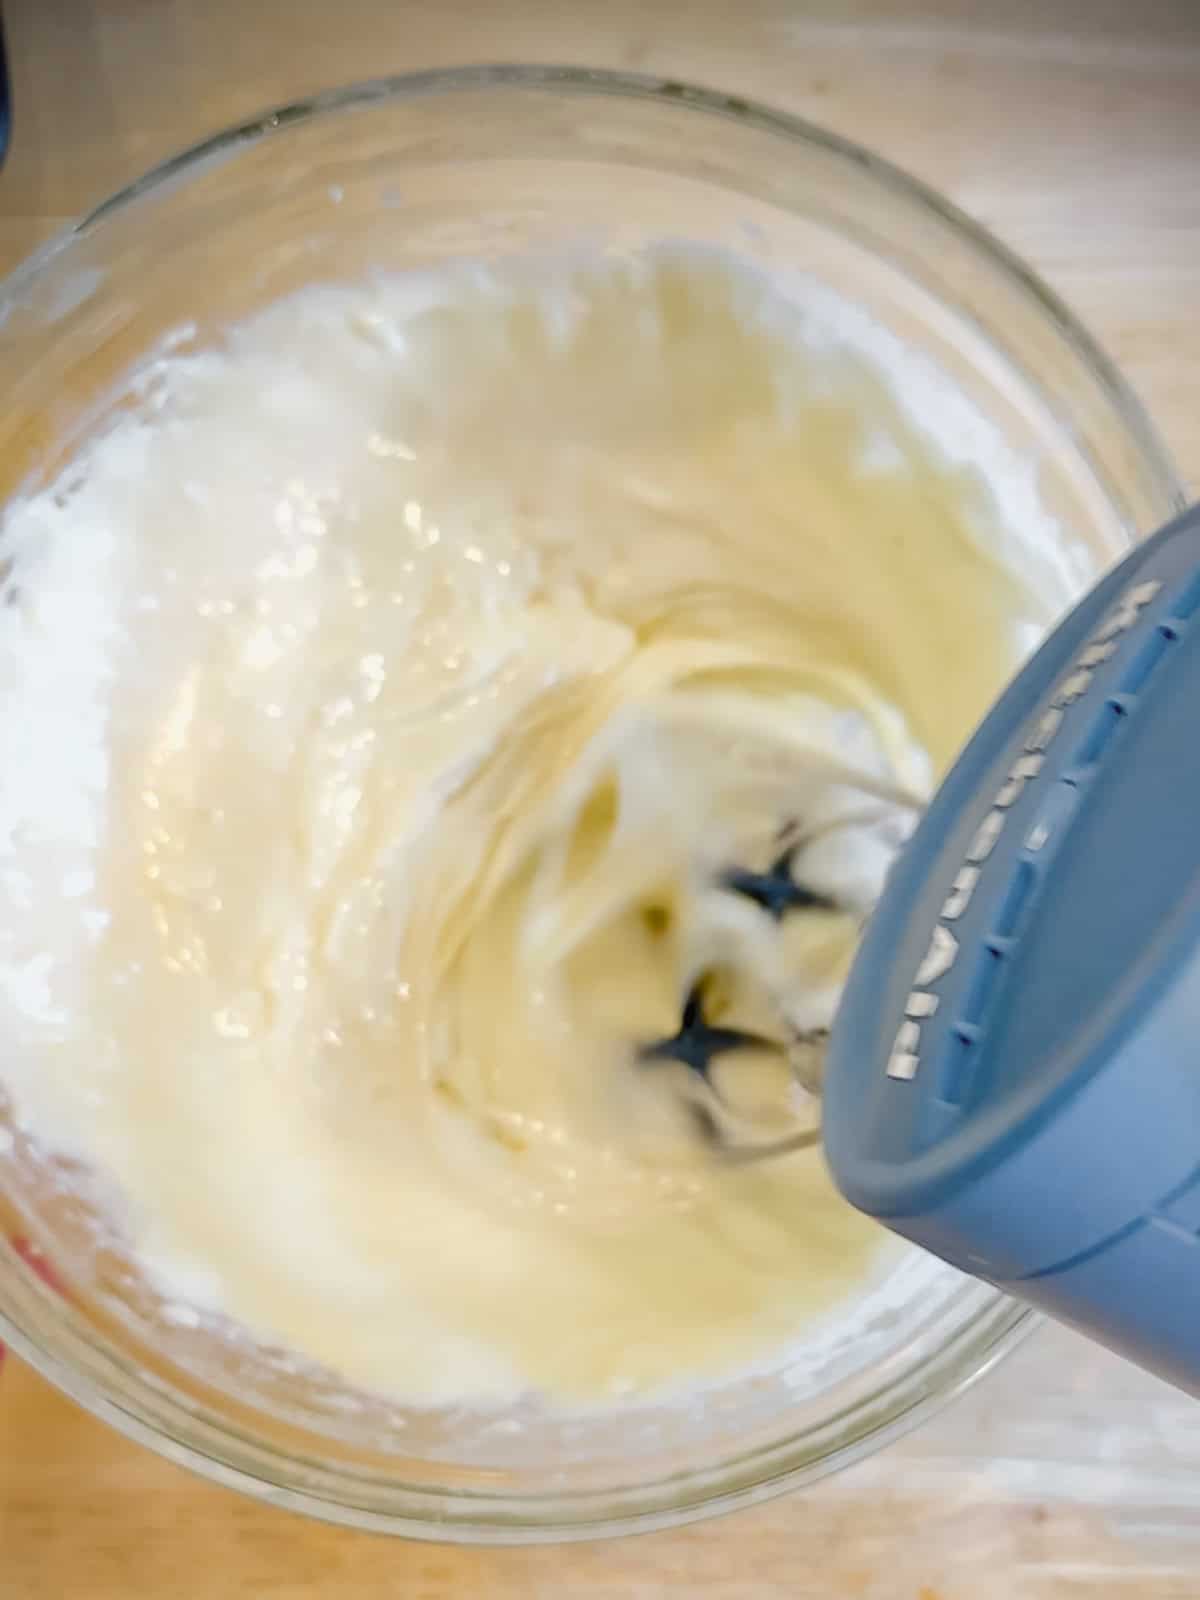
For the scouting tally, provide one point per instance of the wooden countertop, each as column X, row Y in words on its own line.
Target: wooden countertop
column 1072, row 129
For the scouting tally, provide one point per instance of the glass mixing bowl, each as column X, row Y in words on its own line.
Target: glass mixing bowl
column 412, row 171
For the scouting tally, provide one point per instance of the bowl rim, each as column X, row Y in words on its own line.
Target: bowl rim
column 466, row 1518
column 599, row 81
column 1001, row 1323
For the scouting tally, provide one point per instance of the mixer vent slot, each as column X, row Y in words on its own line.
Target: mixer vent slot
column 1016, row 900
column 1151, row 652
column 957, row 1066
column 1189, row 601
column 1097, row 738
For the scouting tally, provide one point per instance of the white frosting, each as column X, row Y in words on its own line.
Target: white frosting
column 378, row 706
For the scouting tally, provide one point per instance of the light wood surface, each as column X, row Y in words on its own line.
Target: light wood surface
column 1071, row 128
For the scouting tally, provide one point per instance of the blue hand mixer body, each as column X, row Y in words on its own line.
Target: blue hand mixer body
column 1013, row 1080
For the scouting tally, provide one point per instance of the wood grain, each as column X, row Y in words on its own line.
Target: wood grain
column 1071, row 128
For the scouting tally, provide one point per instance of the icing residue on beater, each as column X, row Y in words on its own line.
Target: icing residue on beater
column 383, row 710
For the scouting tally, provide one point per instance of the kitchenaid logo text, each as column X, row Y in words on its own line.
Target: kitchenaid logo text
column 922, row 1001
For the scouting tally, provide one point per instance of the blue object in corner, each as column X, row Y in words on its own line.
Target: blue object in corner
column 1014, row 1074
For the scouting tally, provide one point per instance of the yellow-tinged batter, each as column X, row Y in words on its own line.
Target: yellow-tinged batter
column 380, row 705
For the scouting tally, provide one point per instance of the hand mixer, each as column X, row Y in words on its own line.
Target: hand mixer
column 1012, row 1080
